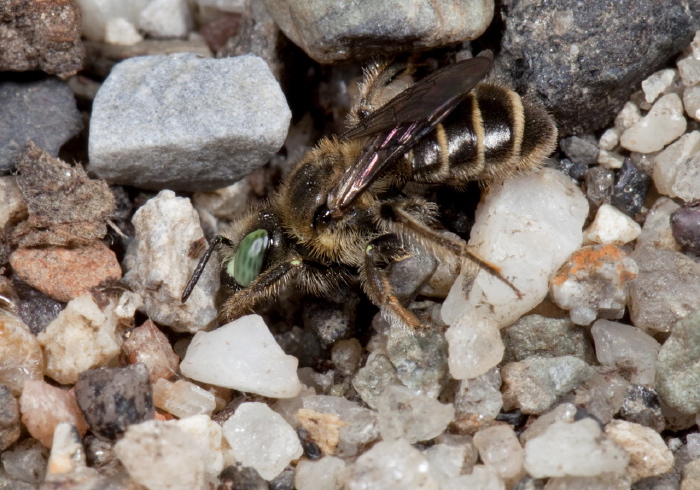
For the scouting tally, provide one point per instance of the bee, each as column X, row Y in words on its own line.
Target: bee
column 341, row 212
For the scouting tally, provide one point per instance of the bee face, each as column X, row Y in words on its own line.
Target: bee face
column 341, row 212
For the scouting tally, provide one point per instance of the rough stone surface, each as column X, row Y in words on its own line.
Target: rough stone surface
column 586, row 83
column 627, row 348
column 663, row 124
column 24, row 465
column 113, row 399
column 405, row 415
column 208, row 435
column 261, row 439
column 612, row 226
column 594, row 283
column 156, row 122
column 149, row 346
column 387, row 465
column 9, row 418
column 97, row 13
column 154, row 444
column 480, row 397
column 44, row 406
column 374, row 377
column 182, row 398
column 668, row 163
column 244, row 356
column 43, row 112
column 83, row 336
column 324, row 474
column 678, row 366
column 575, row 449
column 649, row 455
column 534, row 384
column 65, row 273
column 642, row 406
column 657, row 232
column 166, row 227
column 21, row 359
column 500, row 450
column 536, row 335
column 632, row 184
column 330, row 32
column 666, row 289
column 41, row 36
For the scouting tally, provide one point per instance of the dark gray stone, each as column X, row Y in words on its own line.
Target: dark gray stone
column 641, row 405
column 585, row 59
column 42, row 111
column 599, row 184
column 630, row 189
column 114, row 398
column 9, row 418
column 26, row 462
column 685, row 226
column 580, row 150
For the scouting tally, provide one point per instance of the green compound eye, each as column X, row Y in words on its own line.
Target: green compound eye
column 249, row 258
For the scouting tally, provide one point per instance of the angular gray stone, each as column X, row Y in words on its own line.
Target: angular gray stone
column 372, row 379
column 666, row 289
column 330, row 31
column 678, row 366
column 43, row 112
column 113, row 399
column 9, row 418
column 186, row 123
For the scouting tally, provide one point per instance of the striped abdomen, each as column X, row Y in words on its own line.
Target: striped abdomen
column 491, row 134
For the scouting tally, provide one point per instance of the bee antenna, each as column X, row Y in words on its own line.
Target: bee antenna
column 194, row 278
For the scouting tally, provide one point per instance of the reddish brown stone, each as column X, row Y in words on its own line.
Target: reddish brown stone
column 41, row 35
column 148, row 345
column 64, row 274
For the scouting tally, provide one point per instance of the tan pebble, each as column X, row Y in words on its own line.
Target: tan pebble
column 21, row 358
column 148, row 345
column 323, row 428
column 64, row 274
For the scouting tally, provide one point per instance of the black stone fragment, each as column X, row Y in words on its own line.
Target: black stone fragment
column 685, row 226
column 514, row 418
column 112, row 399
column 311, row 449
column 241, row 478
column 283, row 481
column 641, row 406
column 630, row 189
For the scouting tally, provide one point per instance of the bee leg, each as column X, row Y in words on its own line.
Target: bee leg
column 380, row 253
column 405, row 224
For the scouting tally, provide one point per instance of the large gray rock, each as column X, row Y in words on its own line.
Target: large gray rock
column 43, row 112
column 332, row 31
column 186, row 123
column 585, row 61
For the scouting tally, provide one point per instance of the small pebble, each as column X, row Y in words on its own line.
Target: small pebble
column 664, row 123
column 534, row 384
column 409, row 468
column 657, row 231
column 261, row 439
column 331, row 320
column 648, row 453
column 482, row 477
column 208, row 436
column 689, row 70
column 374, row 377
column 322, row 428
column 579, row 150
column 166, row 19
column 599, row 185
column 448, row 457
column 608, row 141
column 594, row 283
column 480, row 397
column 565, row 412
column 602, row 395
column 658, row 83
column 158, row 265
column 67, row 452
column 149, row 346
column 83, row 336
column 474, row 347
column 97, row 13
column 113, row 399
column 685, row 226
column 666, row 289
column 691, row 476
column 43, row 407
column 21, row 358
column 687, row 183
column 182, row 398
column 26, row 463
column 612, row 226
column 691, row 102
column 630, row 190
column 668, row 162
column 156, row 121
column 65, row 273
column 626, row 348
column 325, row 474
column 678, row 366
column 12, row 206
column 346, row 355
column 641, row 406
column 154, row 444
column 500, row 450
column 574, row 449
column 628, row 116
column 610, row 159
column 120, row 31
column 405, row 415
column 244, row 356
column 9, row 418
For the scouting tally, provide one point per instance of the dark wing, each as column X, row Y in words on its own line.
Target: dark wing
column 398, row 125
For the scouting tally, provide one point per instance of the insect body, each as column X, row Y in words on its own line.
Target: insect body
column 341, row 213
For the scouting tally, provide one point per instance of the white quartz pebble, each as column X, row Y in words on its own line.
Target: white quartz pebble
column 242, row 355
column 577, row 449
column 182, row 398
column 405, row 415
column 166, row 19
column 668, row 162
column 612, row 226
column 691, row 102
column 120, row 31
column 325, row 474
column 208, row 436
column 527, row 226
column 500, row 449
column 261, row 439
column 664, row 123
column 657, row 83
column 649, row 455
